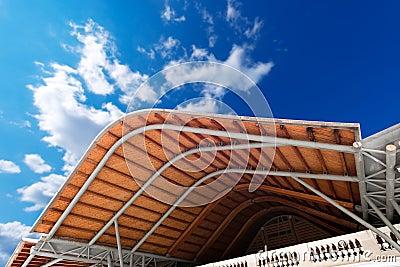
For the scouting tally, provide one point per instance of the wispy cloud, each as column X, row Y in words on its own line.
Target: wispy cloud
column 212, row 95
column 205, row 15
column 149, row 52
column 233, row 11
column 240, row 23
column 212, row 39
column 239, row 58
column 167, row 47
column 7, row 166
column 254, row 31
column 40, row 192
column 36, row 163
column 21, row 124
column 169, row 14
column 208, row 19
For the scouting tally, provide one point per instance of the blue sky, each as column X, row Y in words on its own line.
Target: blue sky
column 68, row 68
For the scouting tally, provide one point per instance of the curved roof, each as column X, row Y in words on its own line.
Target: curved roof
column 101, row 201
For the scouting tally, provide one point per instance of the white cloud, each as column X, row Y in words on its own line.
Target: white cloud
column 170, row 43
column 36, row 163
column 199, row 53
column 238, row 58
column 167, row 47
column 15, row 230
column 169, row 15
column 40, row 192
column 70, row 121
column 10, row 235
column 202, row 72
column 207, row 105
column 127, row 80
column 98, row 63
column 93, row 60
column 7, row 166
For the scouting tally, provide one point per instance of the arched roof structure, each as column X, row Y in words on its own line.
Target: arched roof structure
column 103, row 207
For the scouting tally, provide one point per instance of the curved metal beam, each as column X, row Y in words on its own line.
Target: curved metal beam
column 119, row 142
column 210, row 149
column 161, row 170
column 170, row 210
column 243, row 136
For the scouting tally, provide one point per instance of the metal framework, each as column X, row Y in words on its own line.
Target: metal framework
column 95, row 255
column 382, row 176
column 268, row 140
column 378, row 191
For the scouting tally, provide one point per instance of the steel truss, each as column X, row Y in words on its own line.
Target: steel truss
column 111, row 256
column 382, row 184
column 96, row 255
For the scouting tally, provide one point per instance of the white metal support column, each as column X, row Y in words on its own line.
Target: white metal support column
column 362, row 186
column 390, row 179
column 121, row 259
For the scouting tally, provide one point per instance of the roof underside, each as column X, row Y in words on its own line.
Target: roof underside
column 203, row 232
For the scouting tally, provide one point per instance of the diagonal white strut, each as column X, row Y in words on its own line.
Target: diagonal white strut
column 208, row 149
column 243, row 136
column 349, row 213
column 203, row 179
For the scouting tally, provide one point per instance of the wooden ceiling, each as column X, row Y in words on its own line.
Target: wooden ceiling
column 203, row 232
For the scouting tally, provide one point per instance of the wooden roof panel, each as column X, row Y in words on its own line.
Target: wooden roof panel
column 145, row 153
